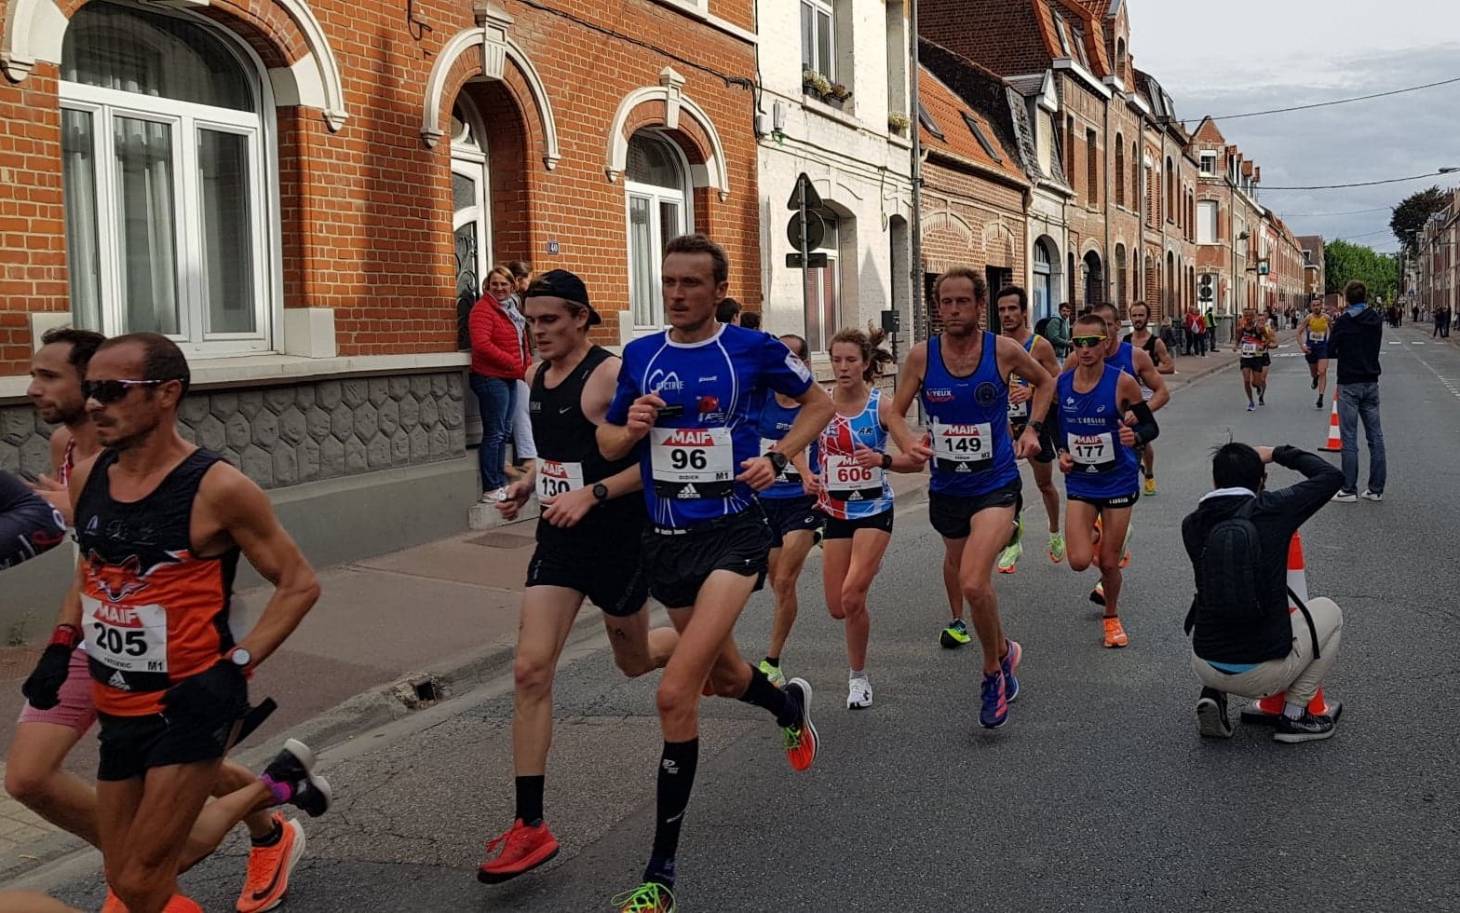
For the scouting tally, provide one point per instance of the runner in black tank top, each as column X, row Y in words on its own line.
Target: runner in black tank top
column 588, row 545
column 1140, row 318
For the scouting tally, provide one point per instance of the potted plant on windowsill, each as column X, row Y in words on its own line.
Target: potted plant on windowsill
column 898, row 123
column 838, row 95
column 815, row 84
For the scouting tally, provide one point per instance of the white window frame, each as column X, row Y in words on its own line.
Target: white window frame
column 187, row 119
column 684, row 197
column 472, row 162
column 1208, row 164
column 819, row 8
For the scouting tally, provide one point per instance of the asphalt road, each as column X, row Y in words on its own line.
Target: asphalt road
column 1098, row 795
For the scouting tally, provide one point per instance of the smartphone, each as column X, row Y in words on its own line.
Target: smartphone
column 672, row 410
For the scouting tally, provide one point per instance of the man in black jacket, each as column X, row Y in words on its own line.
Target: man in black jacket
column 1354, row 343
column 1261, row 648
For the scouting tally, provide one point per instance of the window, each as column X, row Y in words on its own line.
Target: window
column 1206, row 222
column 1208, row 164
column 928, row 123
column 1092, row 167
column 1070, row 150
column 1044, row 283
column 821, row 291
column 1044, row 141
column 818, row 39
column 897, row 53
column 1120, row 58
column 658, row 212
column 1170, row 199
column 1135, row 177
column 1120, row 276
column 470, row 218
column 1119, row 170
column 1077, row 38
column 978, row 134
column 164, row 157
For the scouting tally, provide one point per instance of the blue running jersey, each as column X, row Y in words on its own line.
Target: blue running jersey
column 850, row 491
column 1091, row 423
column 1124, row 359
column 692, row 459
column 775, row 421
column 969, row 421
column 1019, row 412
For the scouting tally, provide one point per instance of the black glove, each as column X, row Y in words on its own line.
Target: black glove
column 43, row 688
column 218, row 695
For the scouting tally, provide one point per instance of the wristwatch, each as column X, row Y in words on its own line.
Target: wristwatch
column 1038, row 426
column 778, row 461
column 240, row 657
column 600, row 492
column 886, row 461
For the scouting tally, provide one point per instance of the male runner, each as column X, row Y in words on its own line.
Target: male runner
column 1313, row 337
column 43, row 738
column 1013, row 307
column 962, row 376
column 28, row 525
column 1098, row 403
column 160, row 525
column 1254, row 337
column 1141, row 337
column 587, row 545
column 695, row 391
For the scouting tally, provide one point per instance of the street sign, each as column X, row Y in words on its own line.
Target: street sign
column 794, row 261
column 803, row 189
column 815, row 231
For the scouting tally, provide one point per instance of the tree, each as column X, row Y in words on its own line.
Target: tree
column 1344, row 260
column 1412, row 214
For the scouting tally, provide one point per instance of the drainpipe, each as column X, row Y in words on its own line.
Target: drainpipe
column 920, row 320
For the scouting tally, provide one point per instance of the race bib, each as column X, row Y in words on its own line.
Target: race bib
column 1019, row 412
column 692, row 462
column 963, row 448
column 1315, row 338
column 555, row 478
column 1249, row 348
column 846, row 480
column 790, row 473
column 1094, row 452
column 125, row 638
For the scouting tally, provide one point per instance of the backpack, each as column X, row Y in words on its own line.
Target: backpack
column 1224, row 571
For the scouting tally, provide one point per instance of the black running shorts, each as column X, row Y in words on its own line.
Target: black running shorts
column 846, row 529
column 952, row 515
column 1112, row 503
column 789, row 515
column 679, row 561
column 611, row 577
column 132, row 745
column 1046, row 452
column 1256, row 362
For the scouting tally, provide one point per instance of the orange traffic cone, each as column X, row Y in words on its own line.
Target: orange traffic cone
column 1272, row 705
column 1334, row 443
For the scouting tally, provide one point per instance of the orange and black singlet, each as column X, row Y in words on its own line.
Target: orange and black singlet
column 153, row 612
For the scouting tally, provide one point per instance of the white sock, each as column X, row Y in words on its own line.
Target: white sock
column 856, row 674
column 1294, row 711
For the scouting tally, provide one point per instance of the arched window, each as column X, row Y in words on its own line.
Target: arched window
column 1120, row 277
column 1043, row 290
column 658, row 194
column 1135, row 177
column 1119, row 170
column 471, row 225
column 1120, row 58
column 1170, row 204
column 164, row 142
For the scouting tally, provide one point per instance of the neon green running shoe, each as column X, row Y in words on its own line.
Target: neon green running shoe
column 649, row 897
column 1009, row 558
column 1056, row 547
column 774, row 673
column 955, row 635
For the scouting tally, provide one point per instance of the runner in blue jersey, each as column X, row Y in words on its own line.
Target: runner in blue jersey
column 790, row 505
column 695, row 393
column 1012, row 304
column 1141, row 337
column 962, row 377
column 855, row 494
column 1100, row 419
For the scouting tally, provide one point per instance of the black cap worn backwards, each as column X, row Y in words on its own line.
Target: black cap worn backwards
column 559, row 283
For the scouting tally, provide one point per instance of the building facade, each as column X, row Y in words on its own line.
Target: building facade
column 1437, row 266
column 1228, row 223
column 1315, row 275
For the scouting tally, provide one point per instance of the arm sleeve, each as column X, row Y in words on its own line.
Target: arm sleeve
column 1303, row 500
column 28, row 525
column 784, row 372
column 623, row 395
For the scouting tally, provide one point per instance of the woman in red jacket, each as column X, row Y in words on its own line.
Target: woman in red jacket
column 497, row 364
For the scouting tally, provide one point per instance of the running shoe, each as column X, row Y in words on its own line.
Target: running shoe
column 1114, row 633
column 523, row 849
column 180, row 904
column 955, row 635
column 269, row 868
column 1370, row 495
column 1262, row 398
column 1252, row 407
column 800, row 739
column 859, row 693
column 1318, row 404
column 649, row 897
column 113, row 903
column 774, row 673
column 1056, row 547
column 1009, row 557
column 1211, row 715
column 994, row 701
column 1150, row 487
column 294, row 766
column 1254, row 715
column 494, row 496
column 1310, row 727
column 1097, row 595
column 1013, row 653
column 1315, row 382
column 1346, row 497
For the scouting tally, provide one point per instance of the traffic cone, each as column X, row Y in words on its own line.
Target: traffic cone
column 1335, row 443
column 1298, row 583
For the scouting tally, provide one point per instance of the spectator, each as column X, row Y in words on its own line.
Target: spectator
column 728, row 311
column 1196, row 330
column 750, row 320
column 523, row 448
column 498, row 361
column 1354, row 342
column 1245, row 640
column 1057, row 331
column 1210, row 319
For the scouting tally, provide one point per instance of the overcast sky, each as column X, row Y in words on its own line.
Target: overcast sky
column 1264, row 54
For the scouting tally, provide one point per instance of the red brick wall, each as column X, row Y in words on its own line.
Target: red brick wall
column 366, row 212
column 959, row 211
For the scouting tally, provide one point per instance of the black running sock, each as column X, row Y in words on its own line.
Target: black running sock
column 676, row 779
column 763, row 694
column 529, row 799
column 272, row 839
column 773, row 661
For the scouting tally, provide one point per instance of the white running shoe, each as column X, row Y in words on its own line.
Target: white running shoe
column 1372, row 495
column 859, row 694
column 494, row 496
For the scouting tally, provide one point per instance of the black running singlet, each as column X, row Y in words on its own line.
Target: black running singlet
column 569, row 458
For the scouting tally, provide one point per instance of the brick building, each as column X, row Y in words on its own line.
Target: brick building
column 1228, row 219
column 974, row 175
column 1438, row 265
column 1315, row 277
column 305, row 194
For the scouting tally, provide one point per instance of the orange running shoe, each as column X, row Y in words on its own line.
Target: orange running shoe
column 523, row 848
column 181, row 904
column 1115, row 634
column 113, row 903
column 801, row 741
column 269, row 868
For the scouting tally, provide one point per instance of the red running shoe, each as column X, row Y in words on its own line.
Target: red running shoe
column 523, row 849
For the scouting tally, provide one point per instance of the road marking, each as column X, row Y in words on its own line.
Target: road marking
column 1452, row 385
column 1395, row 343
column 1419, row 342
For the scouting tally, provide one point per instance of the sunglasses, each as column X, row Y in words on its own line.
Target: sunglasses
column 111, row 391
column 1086, row 342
